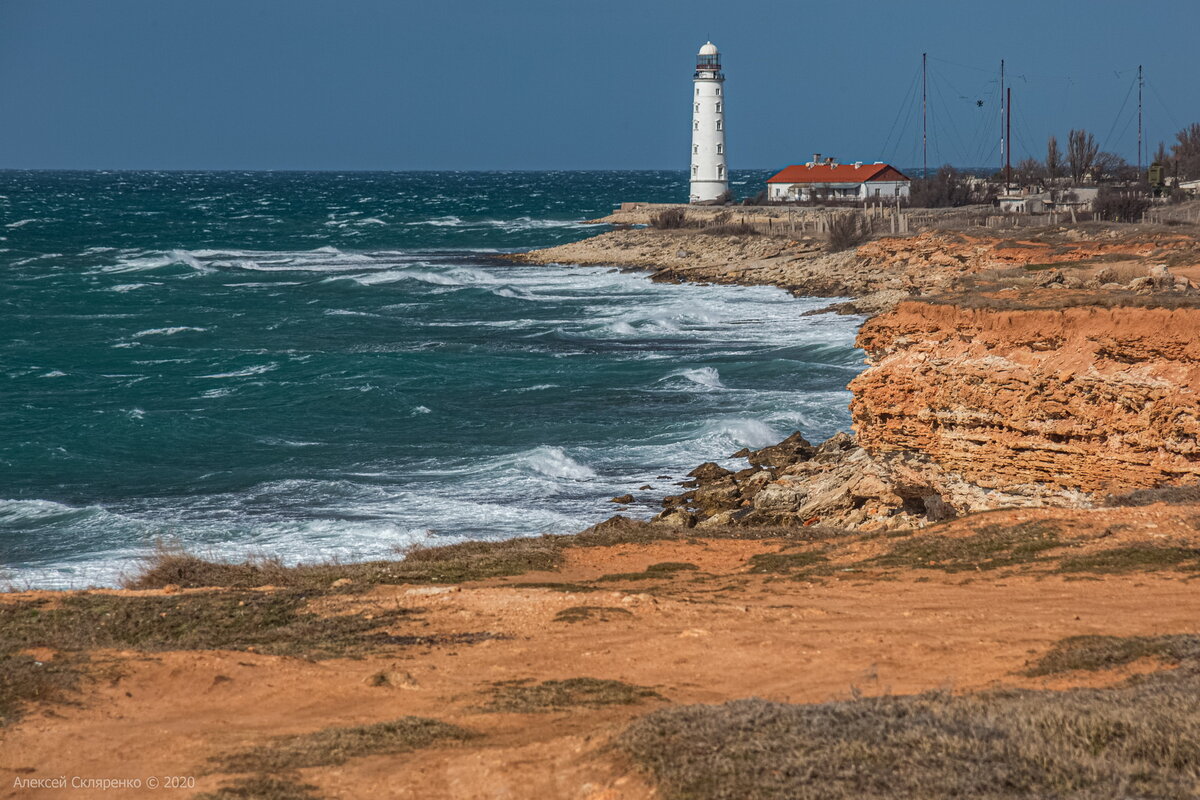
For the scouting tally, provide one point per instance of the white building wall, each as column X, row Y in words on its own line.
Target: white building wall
column 709, row 170
column 887, row 190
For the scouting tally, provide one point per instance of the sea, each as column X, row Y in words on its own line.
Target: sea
column 315, row 366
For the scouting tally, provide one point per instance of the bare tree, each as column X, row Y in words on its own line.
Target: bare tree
column 1029, row 171
column 1187, row 151
column 1111, row 167
column 1081, row 153
column 1054, row 163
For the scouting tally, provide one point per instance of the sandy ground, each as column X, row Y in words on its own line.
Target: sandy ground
column 702, row 636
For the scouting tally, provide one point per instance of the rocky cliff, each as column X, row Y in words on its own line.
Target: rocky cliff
column 973, row 403
column 1086, row 398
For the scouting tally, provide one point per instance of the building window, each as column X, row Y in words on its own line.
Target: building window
column 695, row 124
column 720, row 172
column 695, row 149
column 696, row 108
column 695, row 170
column 897, row 191
column 719, row 125
column 718, row 91
column 718, row 106
column 720, row 149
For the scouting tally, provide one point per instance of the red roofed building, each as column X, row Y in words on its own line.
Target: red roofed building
column 829, row 180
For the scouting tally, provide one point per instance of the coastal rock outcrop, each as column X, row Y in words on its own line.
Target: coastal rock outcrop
column 1085, row 398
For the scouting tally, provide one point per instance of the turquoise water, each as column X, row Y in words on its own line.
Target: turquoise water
column 335, row 365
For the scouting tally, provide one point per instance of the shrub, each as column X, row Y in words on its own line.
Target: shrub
column 669, row 219
column 846, row 231
column 1118, row 205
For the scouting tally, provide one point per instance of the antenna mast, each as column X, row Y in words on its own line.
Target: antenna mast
column 1008, row 139
column 1003, row 138
column 1141, row 82
column 924, row 120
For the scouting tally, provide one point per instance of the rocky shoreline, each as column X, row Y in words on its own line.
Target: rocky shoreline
column 1052, row 370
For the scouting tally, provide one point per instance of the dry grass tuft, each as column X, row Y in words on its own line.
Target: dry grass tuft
column 1106, row 652
column 653, row 572
column 332, row 746
column 1134, row 558
column 592, row 614
column 1137, row 741
column 25, row 679
column 263, row 787
column 1173, row 495
column 518, row 697
column 993, row 547
column 267, row 622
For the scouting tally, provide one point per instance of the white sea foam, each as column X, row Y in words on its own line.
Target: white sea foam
column 54, row 373
column 555, row 463
column 167, row 331
column 127, row 287
column 258, row 369
column 421, row 410
column 702, row 376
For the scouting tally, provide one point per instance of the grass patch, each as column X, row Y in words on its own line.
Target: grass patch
column 1134, row 558
column 993, row 547
column 332, row 746
column 653, row 572
column 786, row 562
column 263, row 787
column 1094, row 653
column 25, row 679
column 519, row 697
column 469, row 561
column 267, row 622
column 556, row 586
column 592, row 614
column 1174, row 495
column 1142, row 740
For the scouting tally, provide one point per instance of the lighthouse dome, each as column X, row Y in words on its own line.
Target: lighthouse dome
column 709, row 49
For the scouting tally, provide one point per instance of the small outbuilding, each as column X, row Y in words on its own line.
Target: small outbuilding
column 828, row 180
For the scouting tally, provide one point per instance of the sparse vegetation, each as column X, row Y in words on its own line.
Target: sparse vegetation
column 653, row 572
column 847, row 230
column 786, row 562
column 1137, row 741
column 994, row 546
column 1174, row 495
column 1121, row 205
column 1134, row 558
column 331, row 746
column 669, row 219
column 264, row 787
column 520, row 697
column 25, row 679
column 592, row 614
column 1105, row 652
column 268, row 622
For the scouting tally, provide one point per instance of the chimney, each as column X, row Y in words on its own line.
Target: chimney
column 816, row 158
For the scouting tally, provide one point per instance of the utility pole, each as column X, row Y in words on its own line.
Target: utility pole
column 924, row 120
column 1003, row 138
column 1008, row 139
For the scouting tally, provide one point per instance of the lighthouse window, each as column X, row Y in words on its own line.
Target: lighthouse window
column 720, row 149
column 695, row 124
column 720, row 172
column 718, row 107
column 718, row 91
column 719, row 127
column 696, row 108
column 696, row 149
column 695, row 170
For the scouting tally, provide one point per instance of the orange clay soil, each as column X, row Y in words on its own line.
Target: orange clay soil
column 706, row 635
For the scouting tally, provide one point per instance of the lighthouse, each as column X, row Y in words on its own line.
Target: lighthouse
column 710, row 175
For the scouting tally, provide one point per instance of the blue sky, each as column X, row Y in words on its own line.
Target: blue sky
column 562, row 84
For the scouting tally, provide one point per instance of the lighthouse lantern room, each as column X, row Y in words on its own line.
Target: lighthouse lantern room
column 710, row 175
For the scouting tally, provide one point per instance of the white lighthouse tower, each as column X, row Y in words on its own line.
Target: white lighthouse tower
column 710, row 175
